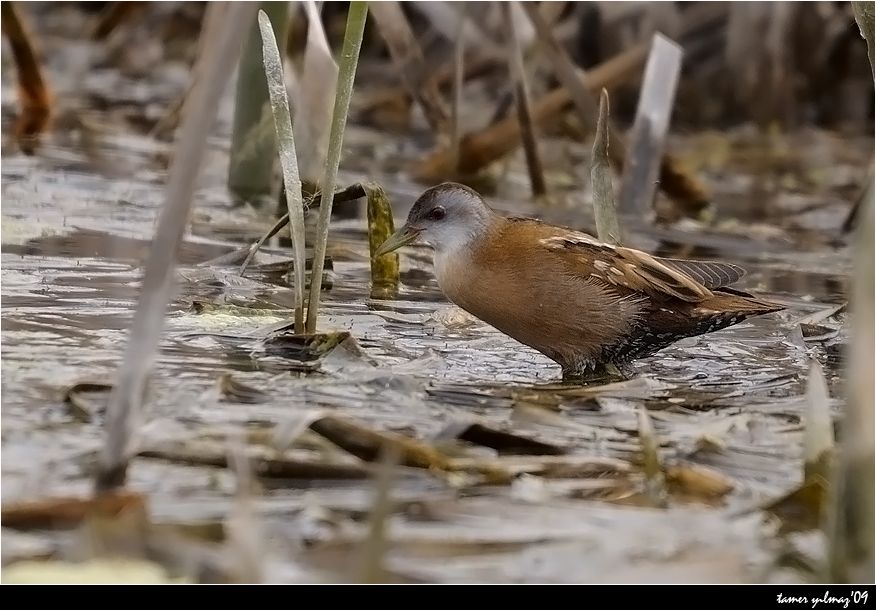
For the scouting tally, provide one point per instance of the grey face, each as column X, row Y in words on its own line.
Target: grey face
column 448, row 215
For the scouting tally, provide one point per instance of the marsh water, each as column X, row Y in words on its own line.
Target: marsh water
column 727, row 408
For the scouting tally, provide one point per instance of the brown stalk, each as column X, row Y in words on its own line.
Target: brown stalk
column 521, row 99
column 33, row 93
column 458, row 82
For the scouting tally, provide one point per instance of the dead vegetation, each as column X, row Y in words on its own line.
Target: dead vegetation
column 389, row 440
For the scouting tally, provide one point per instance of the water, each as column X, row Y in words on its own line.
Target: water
column 730, row 403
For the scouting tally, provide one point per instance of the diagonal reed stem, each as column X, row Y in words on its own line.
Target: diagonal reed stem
column 221, row 48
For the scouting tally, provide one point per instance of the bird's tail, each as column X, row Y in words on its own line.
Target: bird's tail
column 735, row 301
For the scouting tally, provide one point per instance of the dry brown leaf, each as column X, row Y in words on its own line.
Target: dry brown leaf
column 698, row 482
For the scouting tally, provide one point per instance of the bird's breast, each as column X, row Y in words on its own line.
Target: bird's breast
column 454, row 273
column 531, row 297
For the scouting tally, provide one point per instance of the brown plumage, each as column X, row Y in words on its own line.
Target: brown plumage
column 581, row 302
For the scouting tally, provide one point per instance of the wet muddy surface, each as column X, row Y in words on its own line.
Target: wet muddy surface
column 572, row 504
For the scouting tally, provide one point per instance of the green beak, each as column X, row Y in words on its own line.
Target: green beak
column 400, row 238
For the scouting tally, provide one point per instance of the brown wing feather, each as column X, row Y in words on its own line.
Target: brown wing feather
column 712, row 275
column 632, row 269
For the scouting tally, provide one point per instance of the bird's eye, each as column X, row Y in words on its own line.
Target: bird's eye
column 437, row 213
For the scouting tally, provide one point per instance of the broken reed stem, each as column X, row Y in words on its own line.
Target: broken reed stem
column 222, row 46
column 384, row 269
column 273, row 66
column 253, row 147
column 604, row 206
column 358, row 12
column 521, row 98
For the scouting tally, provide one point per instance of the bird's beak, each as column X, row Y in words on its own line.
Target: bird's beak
column 400, row 238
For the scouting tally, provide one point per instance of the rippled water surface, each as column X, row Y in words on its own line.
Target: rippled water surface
column 726, row 408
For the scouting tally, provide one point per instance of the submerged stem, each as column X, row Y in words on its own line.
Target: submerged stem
column 384, row 269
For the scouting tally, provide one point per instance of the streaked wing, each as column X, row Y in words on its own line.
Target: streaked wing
column 710, row 274
column 634, row 269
